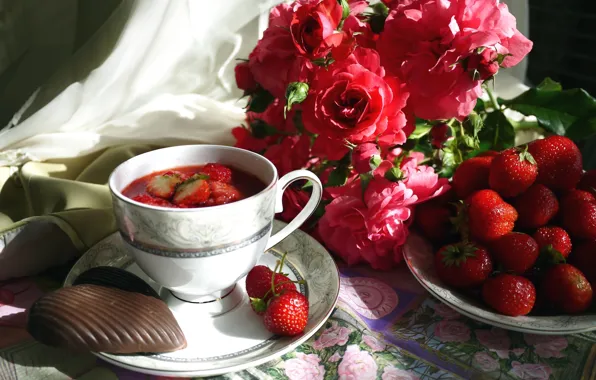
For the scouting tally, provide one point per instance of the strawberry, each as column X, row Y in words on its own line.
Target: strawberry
column 559, row 162
column 463, row 265
column 222, row 193
column 509, row 294
column 258, row 286
column 566, row 289
column 555, row 237
column 583, row 258
column 579, row 218
column 163, row 186
column 433, row 219
column 489, row 216
column 536, row 206
column 217, row 172
column 153, row 201
column 516, row 252
column 588, row 182
column 471, row 175
column 287, row 313
column 512, row 172
column 575, row 195
column 192, row 192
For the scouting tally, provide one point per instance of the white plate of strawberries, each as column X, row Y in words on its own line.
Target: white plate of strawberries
column 513, row 243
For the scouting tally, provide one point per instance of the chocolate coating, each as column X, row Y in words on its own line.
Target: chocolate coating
column 104, row 319
column 115, row 278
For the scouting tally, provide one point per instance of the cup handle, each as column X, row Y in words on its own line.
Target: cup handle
column 311, row 205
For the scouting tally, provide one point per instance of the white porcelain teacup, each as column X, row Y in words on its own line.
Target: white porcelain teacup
column 200, row 253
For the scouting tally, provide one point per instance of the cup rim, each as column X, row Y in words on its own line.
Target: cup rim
column 132, row 202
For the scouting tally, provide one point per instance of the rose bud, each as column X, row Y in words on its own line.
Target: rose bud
column 438, row 135
column 483, row 65
column 244, row 78
column 362, row 156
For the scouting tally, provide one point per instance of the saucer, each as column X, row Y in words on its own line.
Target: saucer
column 419, row 256
column 235, row 340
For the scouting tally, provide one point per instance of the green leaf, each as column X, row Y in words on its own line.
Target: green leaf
column 338, row 177
column 260, row 100
column 422, row 129
column 473, row 124
column 260, row 129
column 497, row 131
column 557, row 110
column 394, row 174
column 295, row 94
column 375, row 161
column 549, row 257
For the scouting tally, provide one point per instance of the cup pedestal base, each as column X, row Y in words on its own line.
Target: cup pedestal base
column 211, row 305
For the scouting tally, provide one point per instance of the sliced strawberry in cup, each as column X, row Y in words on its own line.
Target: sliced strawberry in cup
column 192, row 192
column 163, row 186
column 217, row 172
column 222, row 193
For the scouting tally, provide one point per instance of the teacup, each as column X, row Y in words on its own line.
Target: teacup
column 200, row 253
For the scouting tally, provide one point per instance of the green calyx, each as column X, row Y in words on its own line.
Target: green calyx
column 549, row 257
column 457, row 254
column 461, row 222
column 524, row 155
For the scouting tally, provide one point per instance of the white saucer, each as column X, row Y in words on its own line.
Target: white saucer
column 419, row 256
column 237, row 339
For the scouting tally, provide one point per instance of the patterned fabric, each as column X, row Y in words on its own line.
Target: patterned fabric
column 385, row 327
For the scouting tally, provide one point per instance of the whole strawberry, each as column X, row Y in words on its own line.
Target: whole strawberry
column 536, row 206
column 463, row 265
column 579, row 218
column 583, row 258
column 258, row 286
column 471, row 176
column 588, row 182
column 287, row 313
column 566, row 289
column 555, row 237
column 489, row 216
column 516, row 252
column 217, row 172
column 509, row 294
column 433, row 219
column 512, row 172
column 575, row 195
column 559, row 162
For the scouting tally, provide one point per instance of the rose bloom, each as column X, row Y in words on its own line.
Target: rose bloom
column 445, row 311
column 290, row 154
column 336, row 335
column 353, row 100
column 245, row 140
column 374, row 344
column 361, row 156
column 244, row 78
column 547, row 346
column 313, row 28
column 427, row 44
column 485, row 362
column 357, row 365
column 452, row 331
column 304, row 367
column 293, row 201
column 392, row 373
column 531, row 371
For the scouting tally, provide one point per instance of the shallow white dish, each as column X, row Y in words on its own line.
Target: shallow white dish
column 235, row 340
column 419, row 256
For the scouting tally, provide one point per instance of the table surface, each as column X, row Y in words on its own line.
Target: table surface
column 385, row 326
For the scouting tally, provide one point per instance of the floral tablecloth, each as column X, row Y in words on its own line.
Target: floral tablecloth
column 385, row 327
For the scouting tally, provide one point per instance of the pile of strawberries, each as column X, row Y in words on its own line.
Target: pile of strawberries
column 274, row 296
column 518, row 229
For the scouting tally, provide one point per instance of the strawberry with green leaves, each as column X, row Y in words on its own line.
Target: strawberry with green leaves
column 164, row 185
column 192, row 192
column 287, row 313
column 258, row 286
column 566, row 289
column 512, row 172
column 509, row 294
column 559, row 162
column 463, row 265
column 488, row 216
column 553, row 238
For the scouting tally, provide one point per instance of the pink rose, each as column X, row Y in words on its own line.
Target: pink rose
column 313, row 28
column 304, row 367
column 485, row 63
column 531, row 371
column 275, row 62
column 485, row 362
column 336, row 335
column 424, row 182
column 373, row 343
column 293, row 202
column 445, row 311
column 330, row 149
column 495, row 340
column 392, row 373
column 278, row 154
column 335, row 357
column 452, row 331
column 244, row 78
column 427, row 44
column 547, row 346
column 357, row 365
column 245, row 140
column 361, row 156
column 353, row 100
column 274, row 117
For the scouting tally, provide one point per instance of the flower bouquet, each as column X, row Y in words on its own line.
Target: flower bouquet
column 383, row 101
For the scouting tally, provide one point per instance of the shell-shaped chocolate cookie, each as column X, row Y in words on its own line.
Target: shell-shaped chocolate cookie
column 104, row 319
column 115, row 278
